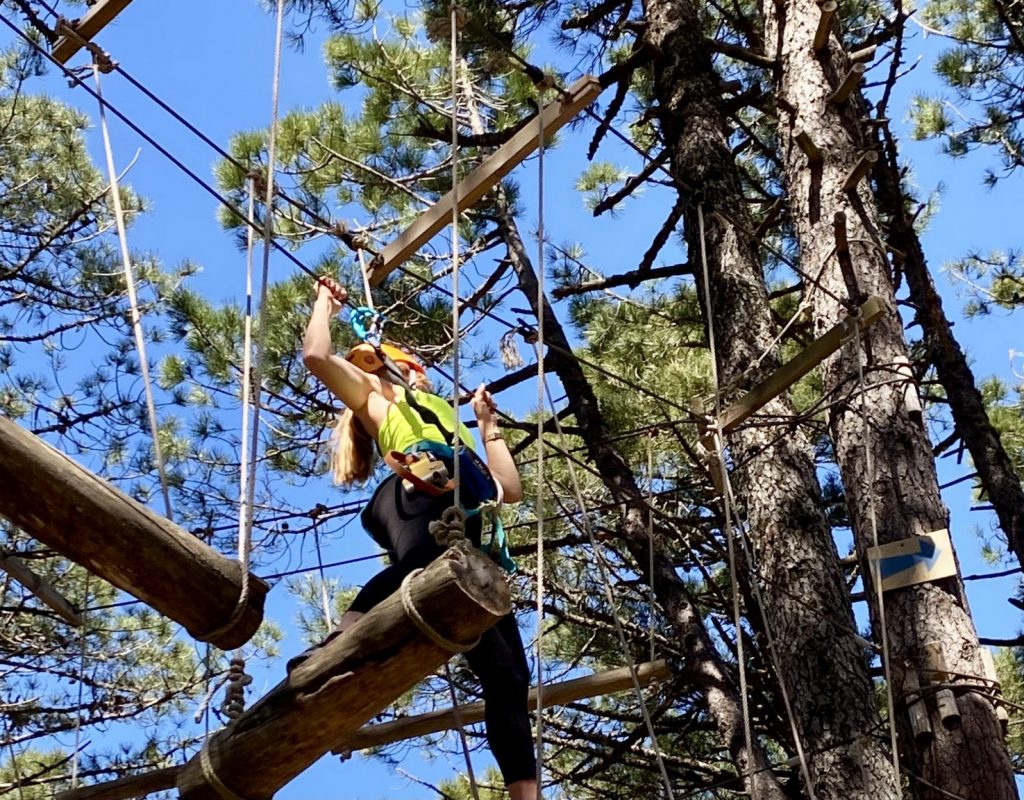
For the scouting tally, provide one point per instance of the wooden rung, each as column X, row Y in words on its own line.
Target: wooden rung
column 859, row 171
column 793, row 370
column 821, row 33
column 864, row 54
column 53, row 599
column 806, row 143
column 917, row 709
column 482, row 179
column 850, row 82
column 342, row 685
column 911, row 398
column 559, row 694
column 63, row 505
column 100, row 15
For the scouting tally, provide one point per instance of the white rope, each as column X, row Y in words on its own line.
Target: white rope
column 425, row 627
column 539, row 346
column 610, row 599
column 210, row 774
column 456, row 310
column 361, row 255
column 81, row 685
column 876, row 576
column 650, row 538
column 129, row 278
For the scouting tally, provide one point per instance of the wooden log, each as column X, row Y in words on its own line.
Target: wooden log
column 53, row 599
column 100, row 15
column 989, row 668
column 159, row 780
column 911, row 398
column 920, row 724
column 330, row 695
column 793, row 370
column 864, row 54
column 482, row 179
column 824, row 29
column 84, row 518
column 559, row 694
column 859, row 171
column 850, row 82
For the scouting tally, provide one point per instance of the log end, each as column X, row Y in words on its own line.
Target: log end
column 481, row 579
column 229, row 637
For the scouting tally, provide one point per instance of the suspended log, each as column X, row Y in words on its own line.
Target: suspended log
column 159, row 780
column 482, row 179
column 100, row 14
column 343, row 684
column 558, row 694
column 57, row 603
column 66, row 507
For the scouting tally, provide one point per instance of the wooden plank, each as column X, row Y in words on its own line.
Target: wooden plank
column 100, row 15
column 917, row 559
column 351, row 678
column 793, row 370
column 66, row 507
column 53, row 599
column 482, row 179
column 558, row 694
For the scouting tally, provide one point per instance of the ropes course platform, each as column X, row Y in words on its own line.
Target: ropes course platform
column 99, row 15
column 66, row 507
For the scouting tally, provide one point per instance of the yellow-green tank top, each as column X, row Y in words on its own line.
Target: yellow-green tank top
column 402, row 427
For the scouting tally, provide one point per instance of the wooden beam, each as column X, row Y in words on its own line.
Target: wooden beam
column 482, row 179
column 100, row 15
column 66, row 507
column 159, row 780
column 559, row 694
column 342, row 685
column 793, row 370
column 823, row 31
column 18, row 570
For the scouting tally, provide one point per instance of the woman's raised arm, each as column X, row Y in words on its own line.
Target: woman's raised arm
column 346, row 381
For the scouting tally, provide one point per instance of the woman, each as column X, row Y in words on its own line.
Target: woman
column 378, row 410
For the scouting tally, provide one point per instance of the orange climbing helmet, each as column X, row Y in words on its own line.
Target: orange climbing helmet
column 366, row 357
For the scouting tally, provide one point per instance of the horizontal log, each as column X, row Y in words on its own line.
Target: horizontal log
column 558, row 694
column 343, row 684
column 67, row 508
column 794, row 369
column 482, row 179
column 100, row 15
column 53, row 599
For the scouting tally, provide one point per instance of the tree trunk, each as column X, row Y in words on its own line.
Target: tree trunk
column 327, row 698
column 807, row 605
column 999, row 480
column 703, row 666
column 901, row 495
column 66, row 507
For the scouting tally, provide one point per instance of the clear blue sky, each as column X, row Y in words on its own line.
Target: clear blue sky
column 213, row 63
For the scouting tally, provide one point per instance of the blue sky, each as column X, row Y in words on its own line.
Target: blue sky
column 213, row 63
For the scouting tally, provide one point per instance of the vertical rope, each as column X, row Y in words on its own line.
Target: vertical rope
column 456, row 310
column 129, row 278
column 650, row 538
column 81, row 686
column 876, row 575
column 732, row 534
column 245, row 510
column 541, row 311
column 324, row 600
column 361, row 255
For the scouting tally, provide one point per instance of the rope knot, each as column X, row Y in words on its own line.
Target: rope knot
column 450, row 530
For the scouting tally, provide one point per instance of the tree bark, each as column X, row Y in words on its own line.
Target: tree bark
column 807, row 606
column 884, row 455
column 66, row 507
column 327, row 698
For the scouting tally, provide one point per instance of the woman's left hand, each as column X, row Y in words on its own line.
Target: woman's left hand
column 484, row 406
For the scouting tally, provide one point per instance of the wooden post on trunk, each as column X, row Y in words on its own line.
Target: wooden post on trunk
column 20, row 571
column 66, row 507
column 935, row 672
column 917, row 709
column 482, row 179
column 821, row 33
column 328, row 697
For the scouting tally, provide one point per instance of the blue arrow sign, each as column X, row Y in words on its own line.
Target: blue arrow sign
column 927, row 553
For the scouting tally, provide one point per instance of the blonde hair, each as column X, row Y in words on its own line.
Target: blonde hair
column 352, row 450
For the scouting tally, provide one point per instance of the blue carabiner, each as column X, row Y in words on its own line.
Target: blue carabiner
column 366, row 324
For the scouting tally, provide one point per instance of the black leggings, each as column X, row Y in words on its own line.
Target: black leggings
column 398, row 521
